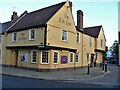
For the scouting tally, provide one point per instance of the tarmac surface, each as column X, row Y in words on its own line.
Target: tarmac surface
column 97, row 75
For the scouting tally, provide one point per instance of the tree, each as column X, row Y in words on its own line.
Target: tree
column 114, row 49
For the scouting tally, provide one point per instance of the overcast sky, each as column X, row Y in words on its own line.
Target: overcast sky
column 104, row 12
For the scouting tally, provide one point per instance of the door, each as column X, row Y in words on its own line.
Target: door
column 16, row 58
column 91, row 61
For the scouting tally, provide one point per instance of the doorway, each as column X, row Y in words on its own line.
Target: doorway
column 16, row 58
column 92, row 59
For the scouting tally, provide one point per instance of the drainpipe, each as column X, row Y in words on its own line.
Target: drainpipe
column 45, row 36
column 82, row 50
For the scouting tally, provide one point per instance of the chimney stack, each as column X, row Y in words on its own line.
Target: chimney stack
column 14, row 16
column 79, row 19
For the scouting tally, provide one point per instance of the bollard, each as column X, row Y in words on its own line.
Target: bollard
column 105, row 67
column 95, row 64
column 100, row 65
column 88, row 72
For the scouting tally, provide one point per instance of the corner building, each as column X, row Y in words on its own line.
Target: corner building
column 48, row 39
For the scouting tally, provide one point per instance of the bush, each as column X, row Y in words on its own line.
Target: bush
column 113, row 61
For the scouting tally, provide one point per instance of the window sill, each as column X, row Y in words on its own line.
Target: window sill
column 13, row 41
column 65, row 41
column 33, row 62
column 31, row 39
column 44, row 63
column 55, row 63
column 78, row 42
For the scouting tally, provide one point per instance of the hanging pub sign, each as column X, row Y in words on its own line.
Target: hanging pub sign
column 64, row 59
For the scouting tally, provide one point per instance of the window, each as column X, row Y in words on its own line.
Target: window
column 87, row 56
column 55, row 57
column 64, row 35
column 78, row 37
column 101, row 43
column 14, row 36
column 0, row 38
column 77, row 57
column 71, row 57
column 34, row 56
column 90, row 41
column 45, row 57
column 96, row 55
column 32, row 34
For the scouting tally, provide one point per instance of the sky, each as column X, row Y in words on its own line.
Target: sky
column 102, row 12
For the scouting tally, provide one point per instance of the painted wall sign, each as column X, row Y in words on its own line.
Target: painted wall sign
column 64, row 59
column 22, row 37
column 66, row 22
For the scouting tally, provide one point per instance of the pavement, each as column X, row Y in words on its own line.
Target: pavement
column 97, row 75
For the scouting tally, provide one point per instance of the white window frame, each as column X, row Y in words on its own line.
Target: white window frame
column 13, row 34
column 90, row 41
column 32, row 56
column 101, row 43
column 88, row 56
column 77, row 56
column 48, row 57
column 54, row 57
column 30, row 34
column 72, row 57
column 78, row 37
column 66, row 35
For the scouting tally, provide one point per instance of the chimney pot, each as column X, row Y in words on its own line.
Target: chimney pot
column 14, row 16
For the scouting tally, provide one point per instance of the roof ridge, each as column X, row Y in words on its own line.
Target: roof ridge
column 94, row 26
column 45, row 7
column 41, row 17
column 16, row 22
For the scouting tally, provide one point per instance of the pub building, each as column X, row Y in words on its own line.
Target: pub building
column 48, row 39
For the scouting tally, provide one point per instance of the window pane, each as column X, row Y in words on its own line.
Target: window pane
column 14, row 36
column 71, row 57
column 32, row 34
column 77, row 37
column 87, row 57
column 45, row 57
column 64, row 35
column 34, row 56
column 55, row 57
column 77, row 57
column 90, row 41
column 101, row 43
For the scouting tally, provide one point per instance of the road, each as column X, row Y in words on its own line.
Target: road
column 18, row 82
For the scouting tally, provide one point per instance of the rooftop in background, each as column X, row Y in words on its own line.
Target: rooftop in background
column 92, row 31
